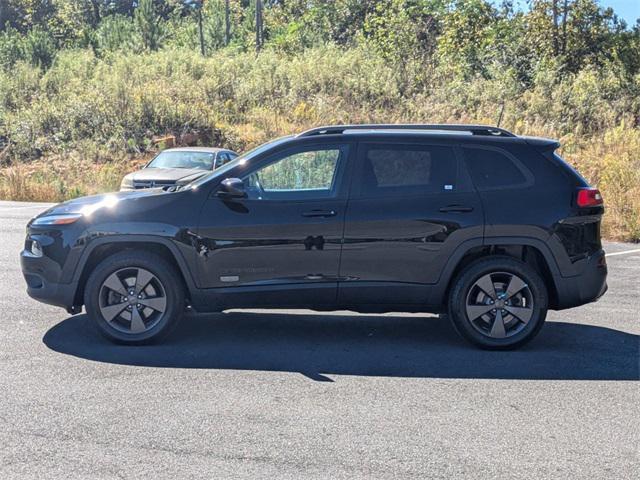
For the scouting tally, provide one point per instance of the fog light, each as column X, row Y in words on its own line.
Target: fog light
column 36, row 248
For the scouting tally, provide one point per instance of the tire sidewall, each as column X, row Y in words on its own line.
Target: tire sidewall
column 468, row 277
column 164, row 273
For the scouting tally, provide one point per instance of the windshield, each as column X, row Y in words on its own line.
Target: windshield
column 241, row 160
column 183, row 159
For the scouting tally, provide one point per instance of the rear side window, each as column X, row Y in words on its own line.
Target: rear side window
column 491, row 169
column 390, row 170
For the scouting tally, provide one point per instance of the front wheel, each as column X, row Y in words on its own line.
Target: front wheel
column 498, row 303
column 134, row 297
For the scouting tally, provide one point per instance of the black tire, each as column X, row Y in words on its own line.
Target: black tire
column 480, row 330
column 166, row 285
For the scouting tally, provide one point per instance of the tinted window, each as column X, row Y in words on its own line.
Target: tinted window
column 307, row 174
column 492, row 169
column 407, row 169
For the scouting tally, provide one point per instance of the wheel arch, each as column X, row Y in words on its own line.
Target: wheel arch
column 532, row 251
column 107, row 246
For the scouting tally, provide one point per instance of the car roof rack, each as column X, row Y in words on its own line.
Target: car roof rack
column 482, row 130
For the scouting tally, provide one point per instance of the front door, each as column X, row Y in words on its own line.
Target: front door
column 280, row 245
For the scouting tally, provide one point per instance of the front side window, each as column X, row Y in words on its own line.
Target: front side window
column 305, row 174
column 183, row 159
column 390, row 170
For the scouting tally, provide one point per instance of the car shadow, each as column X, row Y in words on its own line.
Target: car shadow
column 317, row 345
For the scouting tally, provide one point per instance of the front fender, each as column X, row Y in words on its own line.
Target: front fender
column 139, row 241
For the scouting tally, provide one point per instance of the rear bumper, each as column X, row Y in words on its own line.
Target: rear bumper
column 587, row 287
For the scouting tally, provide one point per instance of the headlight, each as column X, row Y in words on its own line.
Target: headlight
column 35, row 248
column 58, row 219
column 127, row 183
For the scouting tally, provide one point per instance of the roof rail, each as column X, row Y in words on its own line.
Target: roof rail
column 472, row 129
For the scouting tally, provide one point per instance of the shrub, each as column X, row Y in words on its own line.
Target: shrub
column 12, row 48
column 40, row 48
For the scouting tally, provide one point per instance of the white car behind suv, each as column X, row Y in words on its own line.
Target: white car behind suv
column 177, row 166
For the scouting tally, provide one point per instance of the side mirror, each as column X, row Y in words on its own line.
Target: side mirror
column 231, row 188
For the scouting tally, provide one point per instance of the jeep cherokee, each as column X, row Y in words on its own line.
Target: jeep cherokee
column 492, row 228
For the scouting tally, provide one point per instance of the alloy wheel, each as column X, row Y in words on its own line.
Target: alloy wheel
column 132, row 300
column 499, row 305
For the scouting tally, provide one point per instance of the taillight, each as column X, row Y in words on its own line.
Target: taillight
column 588, row 197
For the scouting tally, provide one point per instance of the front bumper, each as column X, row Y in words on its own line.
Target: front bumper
column 587, row 287
column 42, row 276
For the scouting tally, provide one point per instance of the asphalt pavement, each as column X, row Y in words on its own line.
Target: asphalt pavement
column 303, row 395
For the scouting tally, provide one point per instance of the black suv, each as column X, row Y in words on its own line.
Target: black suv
column 488, row 226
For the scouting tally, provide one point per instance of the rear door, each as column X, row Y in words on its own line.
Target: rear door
column 410, row 208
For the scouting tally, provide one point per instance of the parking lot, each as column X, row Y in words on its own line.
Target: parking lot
column 300, row 394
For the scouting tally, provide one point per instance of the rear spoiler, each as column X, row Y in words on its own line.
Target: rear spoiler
column 542, row 144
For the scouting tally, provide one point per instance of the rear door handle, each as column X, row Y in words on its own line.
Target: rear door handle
column 319, row 213
column 456, row 208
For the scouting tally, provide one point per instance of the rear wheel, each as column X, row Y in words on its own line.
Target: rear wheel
column 498, row 303
column 134, row 297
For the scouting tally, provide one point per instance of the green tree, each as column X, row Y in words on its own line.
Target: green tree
column 405, row 32
column 40, row 47
column 149, row 25
column 25, row 14
column 626, row 49
column 214, row 24
column 590, row 34
column 577, row 32
column 303, row 23
column 72, row 21
column 12, row 48
column 467, row 35
column 117, row 32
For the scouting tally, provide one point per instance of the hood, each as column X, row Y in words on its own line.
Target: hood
column 105, row 202
column 166, row 174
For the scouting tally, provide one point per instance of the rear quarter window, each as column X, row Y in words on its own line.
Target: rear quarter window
column 494, row 169
column 568, row 169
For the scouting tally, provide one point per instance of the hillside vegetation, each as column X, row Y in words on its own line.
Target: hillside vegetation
column 84, row 95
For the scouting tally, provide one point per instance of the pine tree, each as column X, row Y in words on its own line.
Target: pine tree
column 149, row 25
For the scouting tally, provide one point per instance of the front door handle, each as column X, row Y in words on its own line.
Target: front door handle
column 456, row 208
column 319, row 213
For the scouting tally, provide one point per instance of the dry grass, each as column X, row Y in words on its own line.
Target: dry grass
column 611, row 161
column 57, row 179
